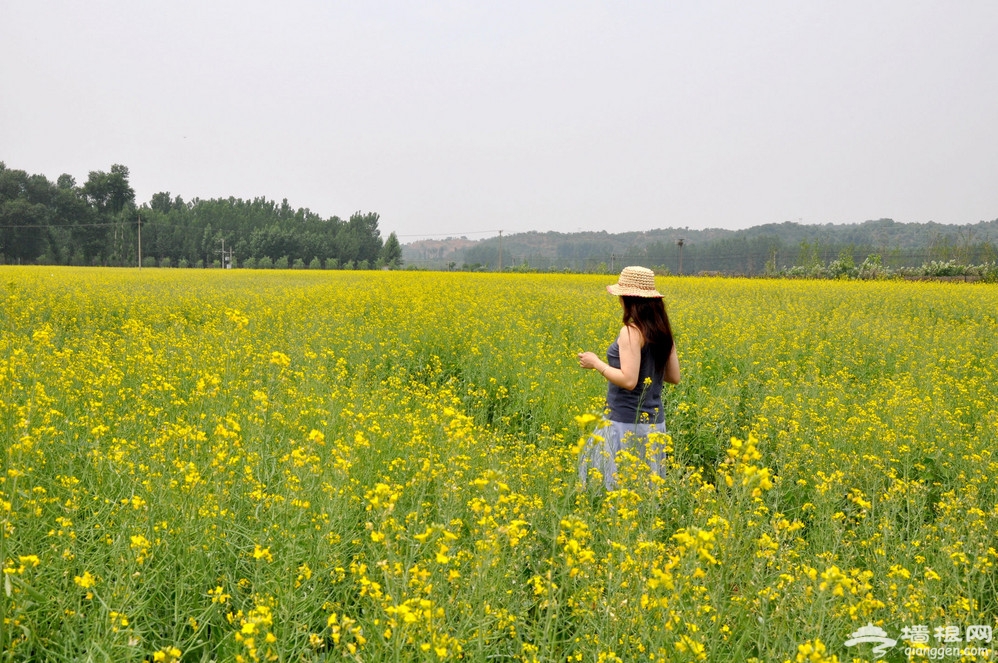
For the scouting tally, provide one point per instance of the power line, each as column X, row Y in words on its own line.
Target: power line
column 108, row 224
column 74, row 225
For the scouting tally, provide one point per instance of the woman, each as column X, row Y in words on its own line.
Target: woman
column 641, row 359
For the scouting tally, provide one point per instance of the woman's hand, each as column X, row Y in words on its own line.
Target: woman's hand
column 589, row 360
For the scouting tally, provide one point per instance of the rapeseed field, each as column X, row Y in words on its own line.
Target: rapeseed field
column 381, row 466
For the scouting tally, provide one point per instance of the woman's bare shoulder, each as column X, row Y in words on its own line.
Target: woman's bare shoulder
column 630, row 334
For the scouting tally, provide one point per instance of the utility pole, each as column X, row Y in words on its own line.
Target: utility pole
column 500, row 250
column 140, row 241
column 224, row 256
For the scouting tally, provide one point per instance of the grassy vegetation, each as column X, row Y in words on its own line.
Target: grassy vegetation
column 380, row 466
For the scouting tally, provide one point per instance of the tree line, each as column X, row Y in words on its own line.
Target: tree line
column 99, row 223
column 773, row 249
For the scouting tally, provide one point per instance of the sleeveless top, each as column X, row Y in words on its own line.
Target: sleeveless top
column 643, row 404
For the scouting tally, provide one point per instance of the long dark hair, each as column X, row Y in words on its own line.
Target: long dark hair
column 649, row 316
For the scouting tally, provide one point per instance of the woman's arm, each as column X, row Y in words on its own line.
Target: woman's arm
column 672, row 367
column 626, row 377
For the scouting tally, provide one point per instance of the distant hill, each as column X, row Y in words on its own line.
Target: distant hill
column 749, row 251
column 438, row 251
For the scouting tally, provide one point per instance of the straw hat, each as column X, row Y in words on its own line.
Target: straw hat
column 635, row 282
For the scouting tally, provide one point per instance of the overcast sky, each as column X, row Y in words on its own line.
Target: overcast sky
column 460, row 118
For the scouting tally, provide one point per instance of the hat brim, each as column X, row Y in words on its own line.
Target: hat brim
column 624, row 291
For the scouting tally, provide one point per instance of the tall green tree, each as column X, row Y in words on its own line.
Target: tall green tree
column 364, row 238
column 25, row 211
column 111, row 197
column 23, row 230
column 391, row 252
column 109, row 192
